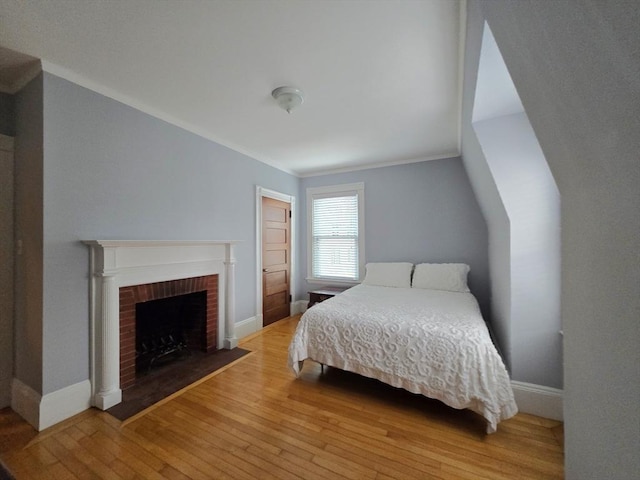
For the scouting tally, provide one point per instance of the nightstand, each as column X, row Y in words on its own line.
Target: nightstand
column 323, row 293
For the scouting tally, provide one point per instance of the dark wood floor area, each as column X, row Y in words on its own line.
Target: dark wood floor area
column 255, row 420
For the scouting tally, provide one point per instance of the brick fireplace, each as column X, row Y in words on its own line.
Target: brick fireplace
column 125, row 271
column 204, row 336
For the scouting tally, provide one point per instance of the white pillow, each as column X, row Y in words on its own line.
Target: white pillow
column 441, row 276
column 389, row 274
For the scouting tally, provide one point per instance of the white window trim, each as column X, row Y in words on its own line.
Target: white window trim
column 336, row 190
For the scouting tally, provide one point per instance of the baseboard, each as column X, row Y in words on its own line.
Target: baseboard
column 538, row 400
column 299, row 306
column 64, row 403
column 43, row 411
column 248, row 326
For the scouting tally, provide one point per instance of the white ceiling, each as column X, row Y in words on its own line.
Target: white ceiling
column 381, row 78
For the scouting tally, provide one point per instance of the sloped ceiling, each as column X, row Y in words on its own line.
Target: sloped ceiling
column 381, row 78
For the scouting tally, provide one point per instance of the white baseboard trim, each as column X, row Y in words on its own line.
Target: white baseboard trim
column 299, row 306
column 538, row 400
column 64, row 403
column 248, row 326
column 43, row 411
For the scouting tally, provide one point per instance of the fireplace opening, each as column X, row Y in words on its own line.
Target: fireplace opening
column 162, row 321
column 169, row 328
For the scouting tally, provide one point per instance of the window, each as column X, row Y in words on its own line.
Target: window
column 335, row 232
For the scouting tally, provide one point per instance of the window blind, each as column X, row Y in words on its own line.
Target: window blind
column 335, row 237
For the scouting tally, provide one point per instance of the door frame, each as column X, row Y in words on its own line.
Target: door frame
column 290, row 199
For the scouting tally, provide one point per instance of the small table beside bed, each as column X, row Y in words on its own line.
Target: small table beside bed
column 422, row 332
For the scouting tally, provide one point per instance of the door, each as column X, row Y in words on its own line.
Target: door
column 276, row 260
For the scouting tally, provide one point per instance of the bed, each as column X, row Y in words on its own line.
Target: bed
column 430, row 341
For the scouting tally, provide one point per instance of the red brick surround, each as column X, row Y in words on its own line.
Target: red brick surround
column 129, row 296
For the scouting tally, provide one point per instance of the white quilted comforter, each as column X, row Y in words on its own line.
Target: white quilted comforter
column 426, row 341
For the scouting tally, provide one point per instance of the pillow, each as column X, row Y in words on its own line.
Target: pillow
column 389, row 274
column 441, row 276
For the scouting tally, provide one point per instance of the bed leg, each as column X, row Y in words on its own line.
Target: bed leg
column 322, row 368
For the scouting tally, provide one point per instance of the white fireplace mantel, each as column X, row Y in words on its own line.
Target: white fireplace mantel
column 122, row 263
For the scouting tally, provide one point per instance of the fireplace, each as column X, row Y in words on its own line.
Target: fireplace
column 163, row 319
column 125, row 271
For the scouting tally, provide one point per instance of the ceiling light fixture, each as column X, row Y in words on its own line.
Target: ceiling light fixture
column 288, row 97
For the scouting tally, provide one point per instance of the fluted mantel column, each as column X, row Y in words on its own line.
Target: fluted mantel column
column 108, row 392
column 230, row 340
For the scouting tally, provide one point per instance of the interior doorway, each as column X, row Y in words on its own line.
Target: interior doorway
column 275, row 252
column 276, row 260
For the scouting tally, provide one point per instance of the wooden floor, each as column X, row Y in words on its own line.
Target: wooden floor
column 255, row 420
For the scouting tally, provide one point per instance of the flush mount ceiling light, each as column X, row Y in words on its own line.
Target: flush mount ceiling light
column 288, row 97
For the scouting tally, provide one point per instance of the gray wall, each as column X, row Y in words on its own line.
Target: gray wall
column 532, row 202
column 486, row 191
column 576, row 68
column 7, row 114
column 112, row 172
column 419, row 212
column 521, row 203
column 28, row 230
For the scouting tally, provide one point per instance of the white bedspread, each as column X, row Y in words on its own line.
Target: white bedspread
column 426, row 341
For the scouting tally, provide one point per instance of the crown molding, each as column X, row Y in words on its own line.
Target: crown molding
column 390, row 163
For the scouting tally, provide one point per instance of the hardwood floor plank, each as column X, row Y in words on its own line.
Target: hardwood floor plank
column 255, row 437
column 257, row 420
column 67, row 456
column 116, row 440
column 42, row 456
column 305, row 465
column 254, row 420
column 379, row 463
column 58, row 471
column 177, row 457
column 172, row 474
column 247, row 421
column 388, row 450
column 340, row 469
column 30, row 468
column 228, row 459
column 214, row 436
column 267, row 462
